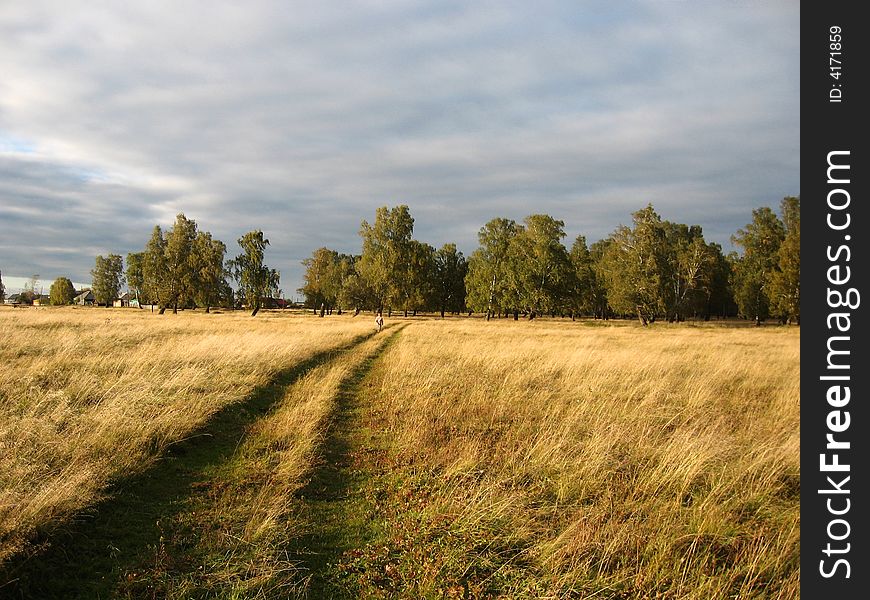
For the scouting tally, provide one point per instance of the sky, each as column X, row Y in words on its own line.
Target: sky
column 301, row 118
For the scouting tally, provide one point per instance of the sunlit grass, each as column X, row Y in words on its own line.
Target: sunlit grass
column 614, row 461
column 88, row 395
column 520, row 459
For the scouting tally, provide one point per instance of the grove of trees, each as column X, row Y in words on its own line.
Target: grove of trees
column 651, row 269
column 393, row 272
column 184, row 267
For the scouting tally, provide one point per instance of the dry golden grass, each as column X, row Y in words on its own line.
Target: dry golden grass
column 88, row 395
column 619, row 461
column 543, row 459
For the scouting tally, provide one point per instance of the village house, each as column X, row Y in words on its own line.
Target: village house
column 123, row 301
column 85, row 298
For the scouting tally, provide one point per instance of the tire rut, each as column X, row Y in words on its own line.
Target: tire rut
column 89, row 556
column 339, row 514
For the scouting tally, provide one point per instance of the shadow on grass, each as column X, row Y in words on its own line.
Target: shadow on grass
column 89, row 556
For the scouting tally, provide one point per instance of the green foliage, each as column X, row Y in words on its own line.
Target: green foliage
column 323, row 279
column 784, row 292
column 419, row 277
column 488, row 278
column 355, row 292
column 386, row 259
column 2, row 289
column 449, row 279
column 136, row 274
column 654, row 268
column 690, row 264
column 209, row 276
column 154, row 270
column 753, row 271
column 581, row 281
column 108, row 277
column 539, row 266
column 634, row 263
column 183, row 267
column 180, row 275
column 26, row 296
column 61, row 292
column 720, row 298
column 658, row 268
column 256, row 280
column 598, row 292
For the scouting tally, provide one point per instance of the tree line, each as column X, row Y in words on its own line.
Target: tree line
column 652, row 269
column 186, row 267
column 182, row 267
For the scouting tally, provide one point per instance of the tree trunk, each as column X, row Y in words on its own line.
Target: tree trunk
column 640, row 317
column 161, row 311
column 207, row 308
column 256, row 309
column 442, row 312
column 491, row 297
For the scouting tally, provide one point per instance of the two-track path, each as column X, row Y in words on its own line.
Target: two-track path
column 337, row 500
column 145, row 539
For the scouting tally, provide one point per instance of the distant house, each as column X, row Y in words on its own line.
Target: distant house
column 274, row 303
column 124, row 300
column 41, row 300
column 85, row 298
column 25, row 298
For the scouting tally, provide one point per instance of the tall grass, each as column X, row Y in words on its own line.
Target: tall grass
column 88, row 395
column 614, row 462
column 544, row 459
column 247, row 514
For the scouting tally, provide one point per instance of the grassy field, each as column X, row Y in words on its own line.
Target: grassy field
column 220, row 456
column 600, row 461
column 87, row 396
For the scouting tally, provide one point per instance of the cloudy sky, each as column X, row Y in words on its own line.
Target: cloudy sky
column 300, row 118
